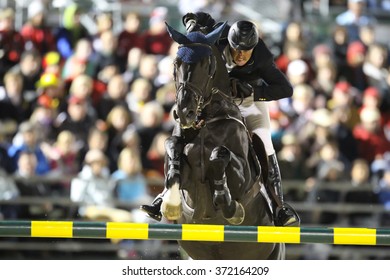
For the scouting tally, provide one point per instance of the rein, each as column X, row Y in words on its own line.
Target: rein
column 200, row 99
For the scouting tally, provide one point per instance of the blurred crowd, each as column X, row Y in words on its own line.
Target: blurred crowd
column 93, row 110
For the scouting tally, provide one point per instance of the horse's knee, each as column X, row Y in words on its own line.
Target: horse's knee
column 220, row 158
column 174, row 146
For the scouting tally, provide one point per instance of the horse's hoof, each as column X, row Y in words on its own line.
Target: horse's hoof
column 239, row 215
column 171, row 205
column 171, row 212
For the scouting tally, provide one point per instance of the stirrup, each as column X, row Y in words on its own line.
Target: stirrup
column 286, row 216
column 153, row 210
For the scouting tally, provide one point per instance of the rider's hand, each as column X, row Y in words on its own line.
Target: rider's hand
column 240, row 88
column 190, row 20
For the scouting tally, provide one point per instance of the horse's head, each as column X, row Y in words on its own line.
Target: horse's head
column 196, row 67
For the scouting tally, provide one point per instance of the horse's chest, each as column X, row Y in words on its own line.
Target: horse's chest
column 199, row 150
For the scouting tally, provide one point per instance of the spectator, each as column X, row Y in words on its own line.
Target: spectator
column 106, row 55
column 367, row 35
column 36, row 34
column 71, row 31
column 291, row 51
column 43, row 118
column 52, row 63
column 11, row 42
column 331, row 166
column 323, row 84
column 376, row 66
column 50, row 89
column 339, row 45
column 82, row 87
column 156, row 155
column 63, row 155
column 94, row 189
column 354, row 18
column 166, row 95
column 343, row 134
column 140, row 93
column 156, row 39
column 147, row 127
column 8, row 191
column 75, row 119
column 130, row 182
column 30, row 67
column 300, row 109
column 129, row 37
column 118, row 121
column 354, row 73
column 27, row 141
column 132, row 65
column 291, row 158
column 344, row 97
column 5, row 160
column 148, row 69
column 80, row 62
column 298, row 72
column 371, row 98
column 294, row 34
column 114, row 96
column 360, row 173
column 104, row 23
column 13, row 103
column 28, row 185
column 372, row 141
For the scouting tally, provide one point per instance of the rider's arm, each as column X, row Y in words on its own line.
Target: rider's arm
column 273, row 84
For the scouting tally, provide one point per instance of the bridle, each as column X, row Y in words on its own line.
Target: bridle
column 200, row 99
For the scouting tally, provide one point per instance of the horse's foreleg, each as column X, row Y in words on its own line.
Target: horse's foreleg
column 231, row 209
column 171, row 205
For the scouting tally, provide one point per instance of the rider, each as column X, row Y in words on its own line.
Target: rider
column 255, row 79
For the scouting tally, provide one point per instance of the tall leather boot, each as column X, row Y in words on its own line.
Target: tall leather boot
column 174, row 147
column 284, row 214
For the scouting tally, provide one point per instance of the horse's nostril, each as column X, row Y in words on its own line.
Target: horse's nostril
column 190, row 114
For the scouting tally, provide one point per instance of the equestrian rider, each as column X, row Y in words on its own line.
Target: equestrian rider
column 255, row 79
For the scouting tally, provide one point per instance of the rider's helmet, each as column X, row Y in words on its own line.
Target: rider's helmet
column 243, row 35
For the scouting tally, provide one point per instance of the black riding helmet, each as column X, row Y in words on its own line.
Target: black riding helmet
column 243, row 35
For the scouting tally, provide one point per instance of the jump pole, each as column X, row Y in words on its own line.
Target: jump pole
column 195, row 232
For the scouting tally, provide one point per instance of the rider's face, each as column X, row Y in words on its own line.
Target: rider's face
column 241, row 57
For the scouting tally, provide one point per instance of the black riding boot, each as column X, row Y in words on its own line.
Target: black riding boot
column 174, row 147
column 284, row 214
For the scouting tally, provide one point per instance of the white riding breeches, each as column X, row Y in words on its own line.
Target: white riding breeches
column 257, row 119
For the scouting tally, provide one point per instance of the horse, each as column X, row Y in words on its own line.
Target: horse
column 220, row 176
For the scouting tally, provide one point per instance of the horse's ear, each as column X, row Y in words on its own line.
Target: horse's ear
column 213, row 36
column 176, row 35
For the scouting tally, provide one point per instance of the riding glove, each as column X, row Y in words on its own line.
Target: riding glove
column 240, row 88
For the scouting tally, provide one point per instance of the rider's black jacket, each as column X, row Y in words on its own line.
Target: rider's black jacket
column 267, row 81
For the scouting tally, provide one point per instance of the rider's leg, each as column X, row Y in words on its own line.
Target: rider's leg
column 258, row 121
column 284, row 215
column 174, row 147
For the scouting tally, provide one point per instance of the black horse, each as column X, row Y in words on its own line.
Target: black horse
column 220, row 180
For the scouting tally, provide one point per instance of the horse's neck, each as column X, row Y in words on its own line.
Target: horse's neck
column 220, row 106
